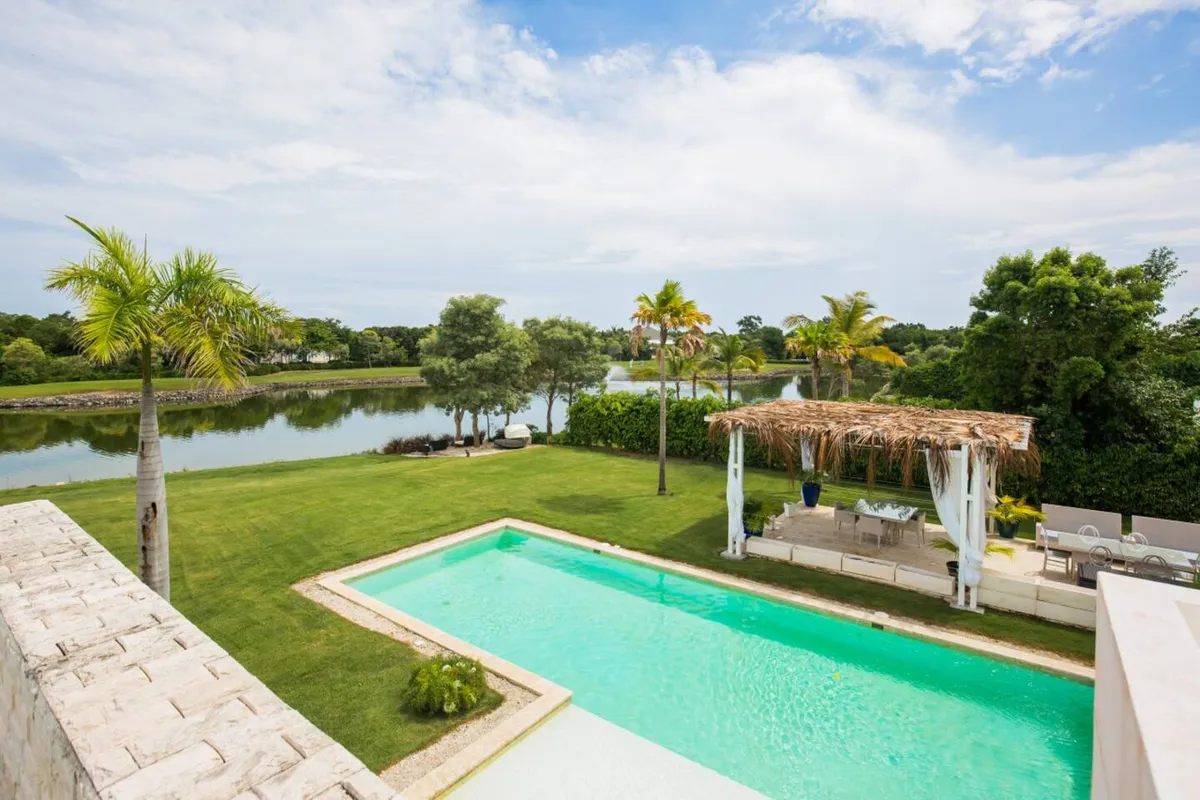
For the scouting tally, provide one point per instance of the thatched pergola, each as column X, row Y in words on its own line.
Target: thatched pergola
column 962, row 449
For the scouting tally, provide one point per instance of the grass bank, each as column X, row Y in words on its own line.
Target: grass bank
column 165, row 384
column 242, row 536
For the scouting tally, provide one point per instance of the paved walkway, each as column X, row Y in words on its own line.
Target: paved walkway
column 578, row 755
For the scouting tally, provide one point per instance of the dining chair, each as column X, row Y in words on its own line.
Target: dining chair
column 872, row 526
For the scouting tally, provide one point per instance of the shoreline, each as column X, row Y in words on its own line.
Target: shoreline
column 117, row 398
column 121, row 398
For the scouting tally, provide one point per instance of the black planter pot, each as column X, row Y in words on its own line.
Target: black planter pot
column 1007, row 530
column 811, row 492
column 952, row 568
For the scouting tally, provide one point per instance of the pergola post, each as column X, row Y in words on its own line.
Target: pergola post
column 964, row 536
column 734, row 497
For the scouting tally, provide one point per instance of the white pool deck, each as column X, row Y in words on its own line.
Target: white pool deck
column 578, row 755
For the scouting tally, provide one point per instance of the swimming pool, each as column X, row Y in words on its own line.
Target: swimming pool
column 792, row 703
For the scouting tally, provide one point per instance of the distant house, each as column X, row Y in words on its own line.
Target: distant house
column 314, row 357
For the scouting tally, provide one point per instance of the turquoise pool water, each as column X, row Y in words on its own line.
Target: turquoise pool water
column 789, row 702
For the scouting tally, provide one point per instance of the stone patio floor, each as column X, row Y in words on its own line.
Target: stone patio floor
column 815, row 527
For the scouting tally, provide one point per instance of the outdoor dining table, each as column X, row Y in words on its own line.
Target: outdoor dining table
column 1121, row 549
column 886, row 510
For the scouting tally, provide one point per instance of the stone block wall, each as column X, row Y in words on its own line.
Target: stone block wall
column 106, row 691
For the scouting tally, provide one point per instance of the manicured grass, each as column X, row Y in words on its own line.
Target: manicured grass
column 163, row 384
column 242, row 536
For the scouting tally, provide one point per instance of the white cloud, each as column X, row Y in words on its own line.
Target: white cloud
column 365, row 159
column 1007, row 32
column 1056, row 72
column 1154, row 81
column 1103, row 104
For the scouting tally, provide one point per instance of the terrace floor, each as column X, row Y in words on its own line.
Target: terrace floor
column 579, row 755
column 815, row 527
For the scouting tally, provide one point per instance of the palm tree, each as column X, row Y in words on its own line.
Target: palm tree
column 680, row 367
column 189, row 309
column 818, row 341
column 728, row 353
column 852, row 316
column 673, row 315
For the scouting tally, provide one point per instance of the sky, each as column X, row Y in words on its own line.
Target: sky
column 367, row 160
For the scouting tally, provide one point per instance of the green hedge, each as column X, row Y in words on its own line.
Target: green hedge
column 1129, row 479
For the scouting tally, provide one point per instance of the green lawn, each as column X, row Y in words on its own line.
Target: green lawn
column 242, row 536
column 134, row 384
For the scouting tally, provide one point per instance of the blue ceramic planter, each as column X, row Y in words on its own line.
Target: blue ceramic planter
column 811, row 492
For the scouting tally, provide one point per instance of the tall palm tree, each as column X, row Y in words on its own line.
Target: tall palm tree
column 192, row 311
column 728, row 353
column 674, row 316
column 819, row 342
column 852, row 316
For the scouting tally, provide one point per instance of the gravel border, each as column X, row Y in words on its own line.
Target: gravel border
column 415, row 766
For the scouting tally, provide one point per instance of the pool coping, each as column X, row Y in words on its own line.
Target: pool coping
column 552, row 697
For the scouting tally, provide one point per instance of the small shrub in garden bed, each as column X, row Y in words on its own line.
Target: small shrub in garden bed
column 448, row 686
column 414, row 444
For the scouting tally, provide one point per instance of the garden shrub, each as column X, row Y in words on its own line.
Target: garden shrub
column 413, row 444
column 445, row 685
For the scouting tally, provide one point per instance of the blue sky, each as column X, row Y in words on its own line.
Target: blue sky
column 368, row 159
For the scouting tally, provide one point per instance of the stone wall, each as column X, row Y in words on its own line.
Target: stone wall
column 106, row 691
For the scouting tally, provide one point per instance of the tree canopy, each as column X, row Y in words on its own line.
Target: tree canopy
column 567, row 359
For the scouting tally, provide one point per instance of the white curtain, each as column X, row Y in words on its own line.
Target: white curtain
column 947, row 498
column 806, row 453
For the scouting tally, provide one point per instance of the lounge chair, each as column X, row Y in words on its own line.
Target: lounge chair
column 1169, row 533
column 1068, row 519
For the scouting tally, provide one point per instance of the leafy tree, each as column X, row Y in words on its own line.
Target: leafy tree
column 322, row 335
column 728, row 353
column 674, row 316
column 1162, row 265
column 937, row 379
column 22, row 361
column 198, row 313
column 771, row 340
column 749, row 325
column 474, row 359
column 567, row 359
column 852, row 316
column 371, row 344
column 820, row 342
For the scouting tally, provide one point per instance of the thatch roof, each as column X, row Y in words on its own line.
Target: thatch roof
column 898, row 434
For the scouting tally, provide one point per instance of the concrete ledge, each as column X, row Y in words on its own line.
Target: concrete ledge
column 924, row 581
column 769, row 548
column 1009, row 584
column 816, row 557
column 1065, row 595
column 869, row 567
column 1066, row 615
column 1008, row 602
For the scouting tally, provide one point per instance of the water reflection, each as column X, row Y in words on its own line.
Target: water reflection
column 49, row 447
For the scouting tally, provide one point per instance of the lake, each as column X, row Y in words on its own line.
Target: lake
column 48, row 447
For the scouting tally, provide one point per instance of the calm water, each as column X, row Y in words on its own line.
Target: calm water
column 49, row 447
column 788, row 702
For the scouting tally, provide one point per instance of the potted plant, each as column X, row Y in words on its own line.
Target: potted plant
column 810, row 487
column 992, row 548
column 1010, row 512
column 754, row 516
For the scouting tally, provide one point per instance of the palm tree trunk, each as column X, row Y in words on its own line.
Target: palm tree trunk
column 694, row 379
column 729, row 387
column 678, row 389
column 846, row 380
column 154, row 553
column 662, row 412
column 816, row 377
column 549, row 409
